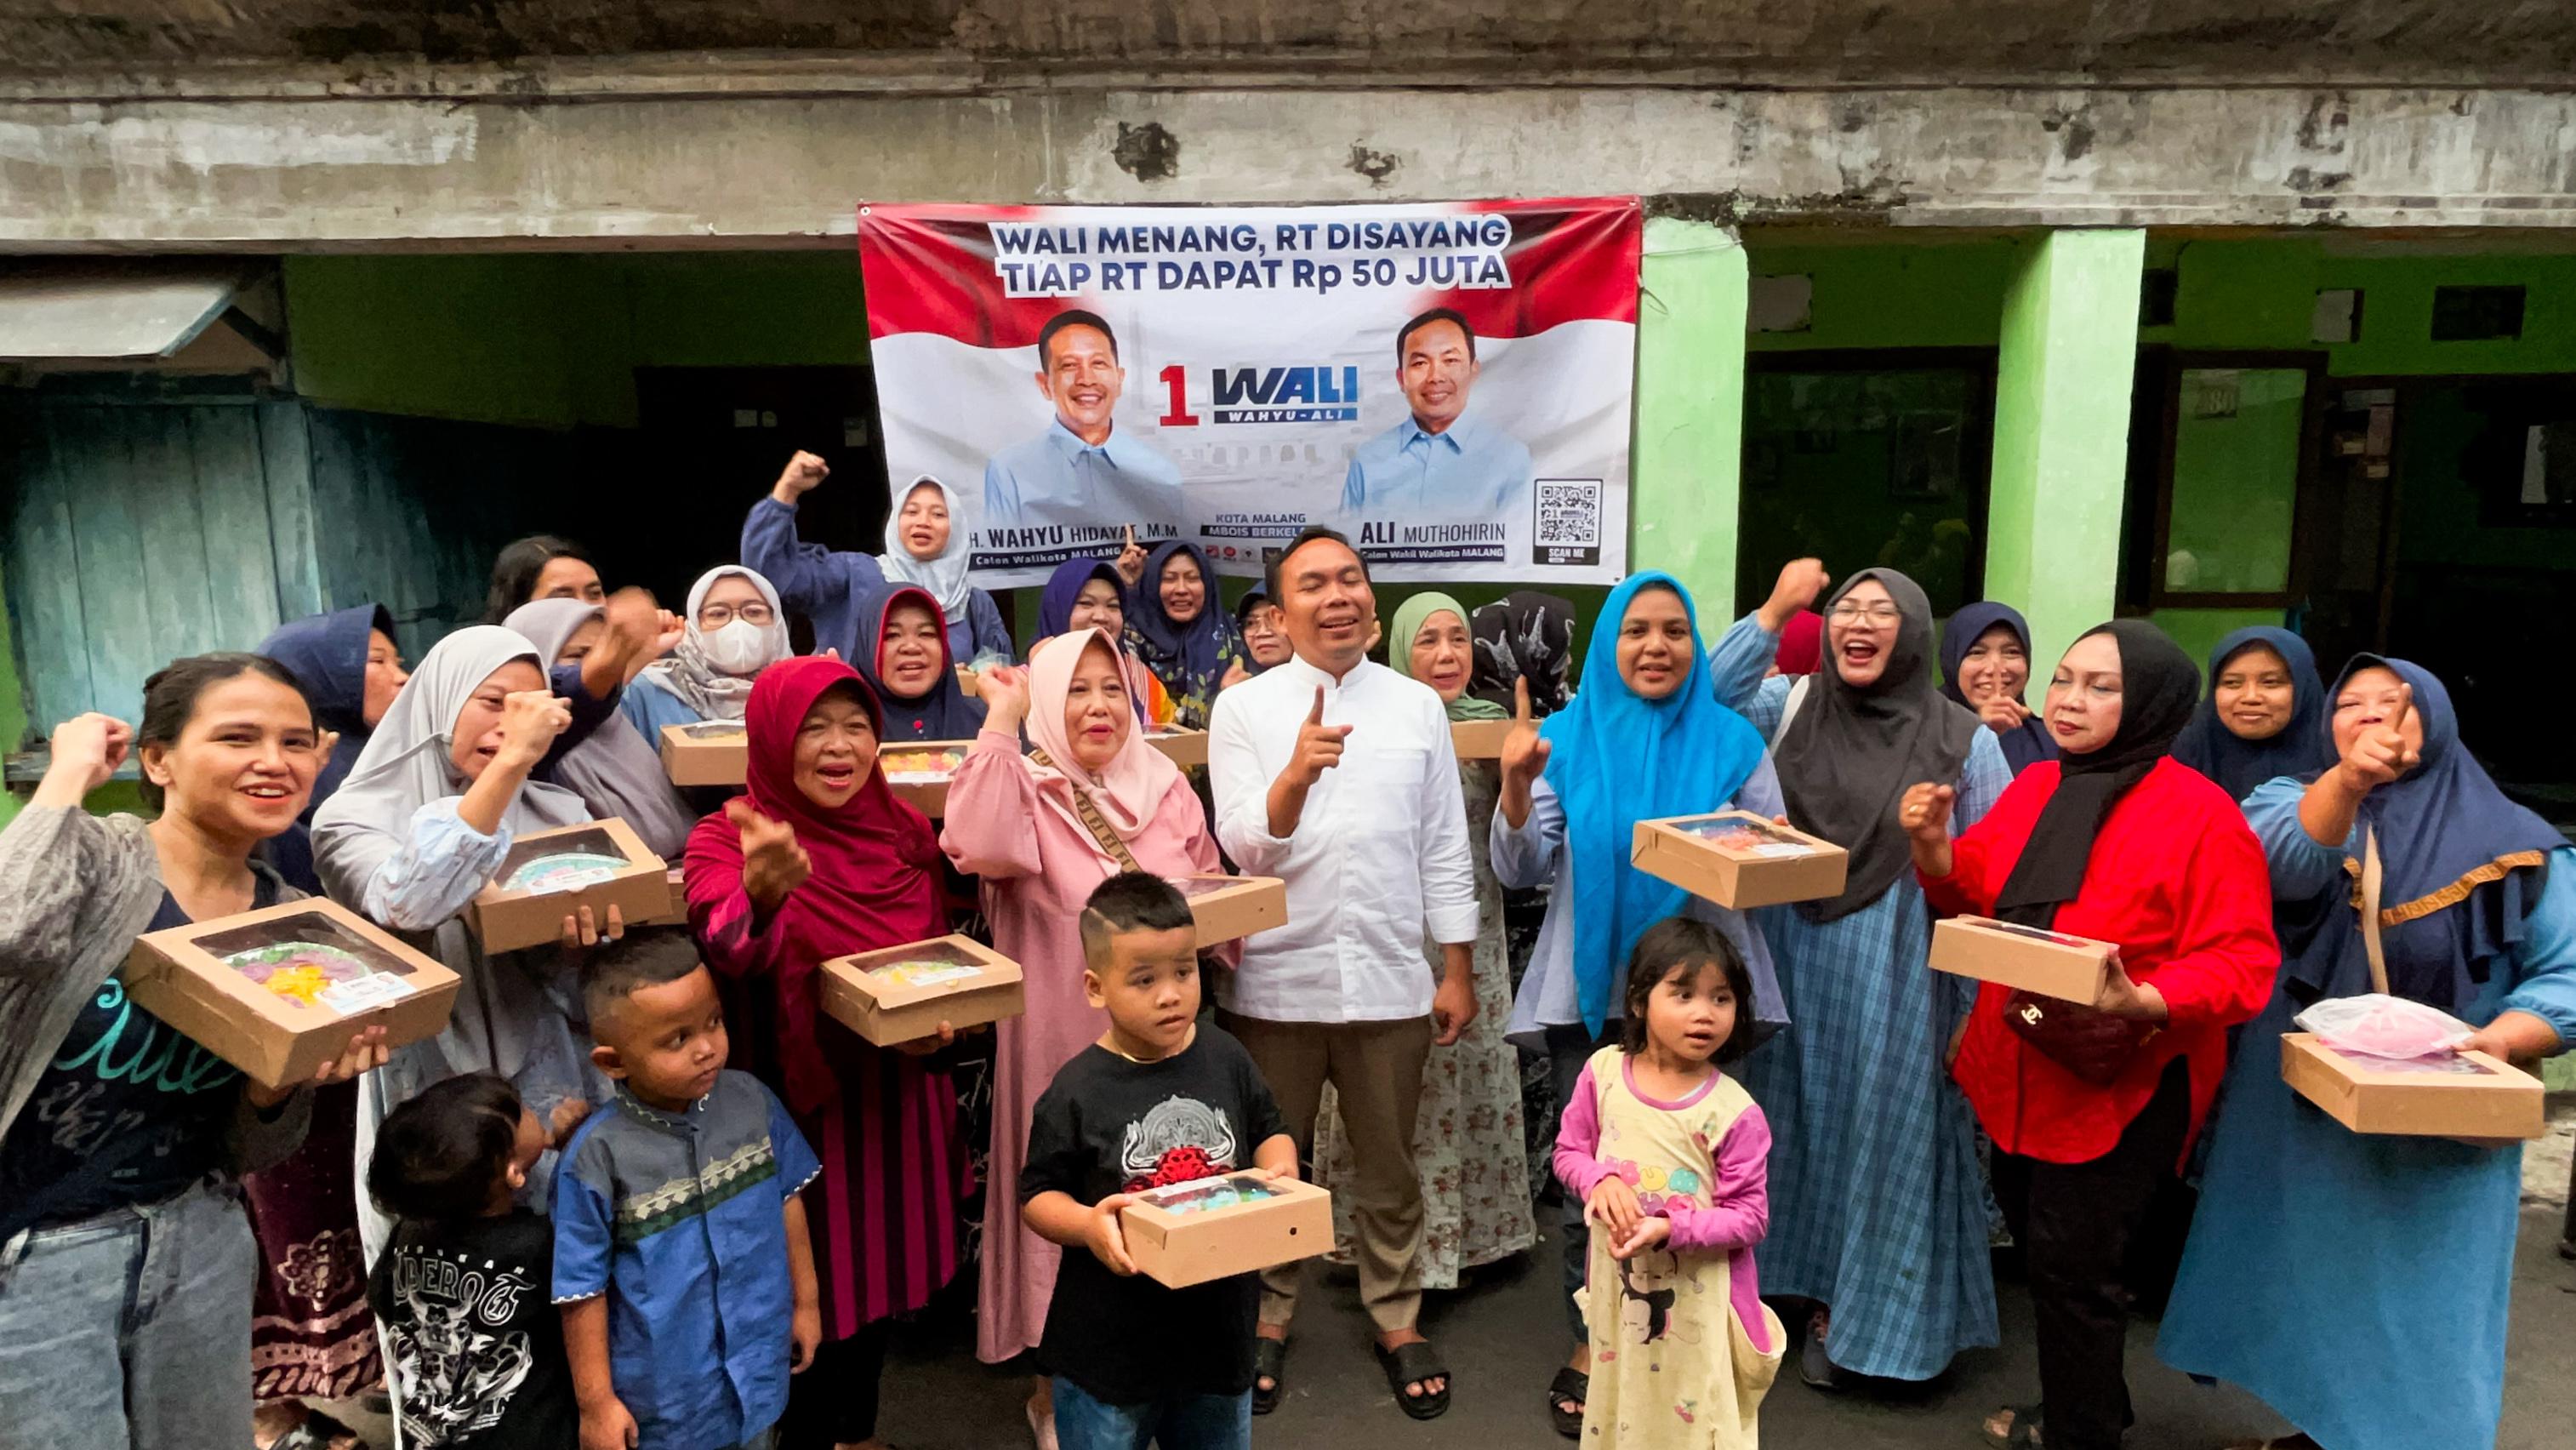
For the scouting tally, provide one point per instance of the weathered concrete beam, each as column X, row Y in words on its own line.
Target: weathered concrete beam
column 762, row 170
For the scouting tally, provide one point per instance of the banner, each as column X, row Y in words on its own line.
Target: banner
column 1446, row 383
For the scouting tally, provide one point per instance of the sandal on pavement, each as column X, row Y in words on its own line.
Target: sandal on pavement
column 1409, row 1365
column 1815, row 1366
column 1571, row 1386
column 1269, row 1362
column 2015, row 1427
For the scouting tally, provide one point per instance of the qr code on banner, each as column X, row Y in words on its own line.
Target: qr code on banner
column 1567, row 529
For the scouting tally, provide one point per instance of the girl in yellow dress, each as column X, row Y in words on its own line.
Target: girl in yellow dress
column 1667, row 1154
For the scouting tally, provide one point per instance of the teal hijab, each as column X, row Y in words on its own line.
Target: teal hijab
column 1616, row 758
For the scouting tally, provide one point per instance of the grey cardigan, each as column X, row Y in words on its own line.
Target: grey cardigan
column 81, row 888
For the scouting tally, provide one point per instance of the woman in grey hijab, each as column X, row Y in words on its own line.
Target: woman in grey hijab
column 616, row 772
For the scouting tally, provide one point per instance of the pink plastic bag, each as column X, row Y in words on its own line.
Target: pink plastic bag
column 2383, row 1026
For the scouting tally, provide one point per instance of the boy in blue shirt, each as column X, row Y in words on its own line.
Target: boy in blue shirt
column 681, row 1262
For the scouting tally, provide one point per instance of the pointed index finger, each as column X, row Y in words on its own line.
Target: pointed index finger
column 2405, row 707
column 1316, row 715
column 1131, row 536
column 1520, row 699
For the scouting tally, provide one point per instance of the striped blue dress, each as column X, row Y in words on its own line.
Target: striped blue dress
column 1877, row 1200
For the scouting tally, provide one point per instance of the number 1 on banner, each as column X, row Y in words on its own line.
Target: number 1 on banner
column 1176, row 379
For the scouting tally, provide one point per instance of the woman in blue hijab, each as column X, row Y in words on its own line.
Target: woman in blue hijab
column 2264, row 714
column 2358, row 1283
column 351, row 670
column 1644, row 737
column 1985, row 665
column 1177, row 627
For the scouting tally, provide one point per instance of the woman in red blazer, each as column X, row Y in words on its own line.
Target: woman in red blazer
column 2090, row 1106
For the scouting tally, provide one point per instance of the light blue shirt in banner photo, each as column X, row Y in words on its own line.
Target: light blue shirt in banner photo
column 1469, row 470
column 1057, row 480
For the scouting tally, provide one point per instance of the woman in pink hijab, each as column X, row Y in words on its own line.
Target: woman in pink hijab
column 1089, row 800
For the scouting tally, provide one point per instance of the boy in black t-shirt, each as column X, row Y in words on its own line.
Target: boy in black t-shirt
column 1158, row 1099
column 463, row 1288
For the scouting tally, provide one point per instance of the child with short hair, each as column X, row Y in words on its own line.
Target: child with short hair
column 1159, row 1099
column 681, row 1260
column 476, row 1351
column 1667, row 1154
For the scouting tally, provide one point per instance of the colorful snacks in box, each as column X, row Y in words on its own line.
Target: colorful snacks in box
column 902, row 994
column 278, row 992
column 920, row 771
column 1212, row 1228
column 1738, row 859
column 549, row 875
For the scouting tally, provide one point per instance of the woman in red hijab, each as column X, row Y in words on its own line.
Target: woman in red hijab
column 815, row 860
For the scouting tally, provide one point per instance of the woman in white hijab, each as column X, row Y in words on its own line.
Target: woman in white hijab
column 926, row 539
column 615, row 771
column 421, row 825
column 735, row 628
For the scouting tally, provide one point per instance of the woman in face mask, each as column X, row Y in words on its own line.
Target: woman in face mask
column 735, row 630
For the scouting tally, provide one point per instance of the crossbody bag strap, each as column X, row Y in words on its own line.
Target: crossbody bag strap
column 2370, row 877
column 1789, row 708
column 1089, row 810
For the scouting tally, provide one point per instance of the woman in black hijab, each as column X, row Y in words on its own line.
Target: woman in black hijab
column 1878, row 1214
column 2091, row 1106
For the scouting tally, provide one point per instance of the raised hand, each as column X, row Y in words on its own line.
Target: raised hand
column 2003, row 712
column 802, row 474
column 1131, row 560
column 1235, row 674
column 1800, row 582
column 772, row 863
column 2380, row 754
column 1924, row 811
column 530, row 721
column 91, row 747
column 1005, row 689
column 1524, row 749
column 1319, row 746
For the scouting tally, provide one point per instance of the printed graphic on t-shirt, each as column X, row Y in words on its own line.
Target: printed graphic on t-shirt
column 1178, row 1140
column 454, row 1348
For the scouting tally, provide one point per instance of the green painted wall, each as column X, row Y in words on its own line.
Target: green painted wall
column 2198, row 631
column 1931, row 293
column 1689, row 443
column 554, row 339
column 2061, row 429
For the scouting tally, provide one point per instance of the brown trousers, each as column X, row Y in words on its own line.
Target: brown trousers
column 1376, row 1068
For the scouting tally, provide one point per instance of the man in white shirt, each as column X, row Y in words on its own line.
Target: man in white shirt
column 1338, row 775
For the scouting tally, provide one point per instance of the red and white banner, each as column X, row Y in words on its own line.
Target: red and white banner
column 1447, row 383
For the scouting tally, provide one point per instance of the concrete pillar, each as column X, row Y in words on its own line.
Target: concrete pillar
column 1689, row 449
column 2069, row 351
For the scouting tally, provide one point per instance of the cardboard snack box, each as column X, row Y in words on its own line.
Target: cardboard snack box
column 710, row 752
column 920, row 770
column 904, row 993
column 1183, row 747
column 551, row 874
column 1230, row 908
column 1213, row 1228
column 1738, row 859
column 678, row 914
column 2461, row 1095
column 2051, row 963
column 277, row 992
column 1479, row 739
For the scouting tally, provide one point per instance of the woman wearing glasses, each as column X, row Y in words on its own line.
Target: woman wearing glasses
column 1878, row 1207
column 735, row 630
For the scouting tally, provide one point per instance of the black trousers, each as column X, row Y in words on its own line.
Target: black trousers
column 2074, row 1222
column 835, row 1400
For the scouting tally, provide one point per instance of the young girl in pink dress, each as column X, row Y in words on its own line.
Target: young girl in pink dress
column 1667, row 1154
column 1041, row 830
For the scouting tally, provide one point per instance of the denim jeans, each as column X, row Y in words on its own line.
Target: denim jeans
column 1175, row 1422
column 130, row 1330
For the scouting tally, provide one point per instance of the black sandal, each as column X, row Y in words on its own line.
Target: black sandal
column 1269, row 1362
column 2021, row 1428
column 1570, row 1384
column 1412, row 1364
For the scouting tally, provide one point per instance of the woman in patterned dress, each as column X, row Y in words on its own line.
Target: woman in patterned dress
column 1878, row 1207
